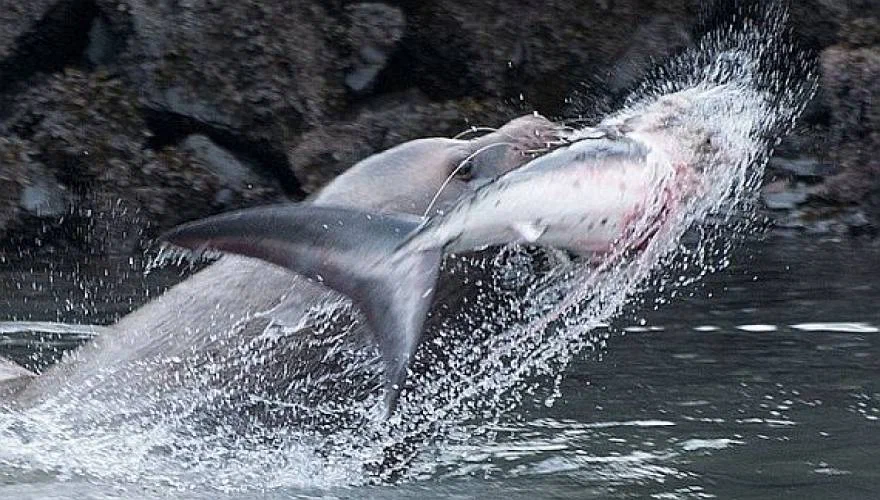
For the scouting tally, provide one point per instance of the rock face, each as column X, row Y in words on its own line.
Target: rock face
column 375, row 31
column 835, row 184
column 119, row 118
column 76, row 144
column 851, row 76
column 259, row 71
column 43, row 35
column 15, row 165
column 460, row 48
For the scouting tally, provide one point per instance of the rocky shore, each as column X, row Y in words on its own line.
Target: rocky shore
column 120, row 118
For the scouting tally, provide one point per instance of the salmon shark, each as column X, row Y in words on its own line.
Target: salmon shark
column 612, row 184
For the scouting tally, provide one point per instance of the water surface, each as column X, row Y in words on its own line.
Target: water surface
column 765, row 383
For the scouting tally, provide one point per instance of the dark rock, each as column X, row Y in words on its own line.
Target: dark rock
column 785, row 199
column 811, row 137
column 250, row 75
column 15, row 155
column 455, row 48
column 32, row 199
column 856, row 220
column 43, row 196
column 42, row 36
column 235, row 176
column 871, row 209
column 803, row 167
column 863, row 31
column 828, row 219
column 17, row 19
column 654, row 39
column 88, row 132
column 817, row 22
column 189, row 110
column 841, row 128
column 851, row 78
column 104, row 45
column 376, row 29
column 219, row 104
column 823, row 23
column 262, row 71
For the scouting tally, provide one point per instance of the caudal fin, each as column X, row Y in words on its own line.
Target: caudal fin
column 350, row 251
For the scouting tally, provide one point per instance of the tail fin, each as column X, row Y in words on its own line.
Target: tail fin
column 350, row 251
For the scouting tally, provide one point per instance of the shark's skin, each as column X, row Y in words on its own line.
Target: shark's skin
column 614, row 183
column 215, row 309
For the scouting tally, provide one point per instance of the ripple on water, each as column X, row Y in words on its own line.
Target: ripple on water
column 837, row 327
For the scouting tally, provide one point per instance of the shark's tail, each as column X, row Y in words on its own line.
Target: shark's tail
column 350, row 251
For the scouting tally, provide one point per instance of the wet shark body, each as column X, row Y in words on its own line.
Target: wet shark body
column 584, row 197
column 215, row 313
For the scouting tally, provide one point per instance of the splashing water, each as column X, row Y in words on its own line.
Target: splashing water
column 521, row 318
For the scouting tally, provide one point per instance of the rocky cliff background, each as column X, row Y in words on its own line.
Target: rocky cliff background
column 120, row 118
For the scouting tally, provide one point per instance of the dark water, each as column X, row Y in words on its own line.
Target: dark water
column 764, row 384
column 72, row 289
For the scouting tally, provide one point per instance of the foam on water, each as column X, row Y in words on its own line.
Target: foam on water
column 525, row 317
